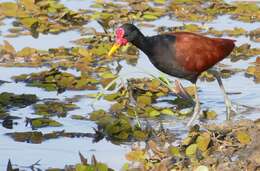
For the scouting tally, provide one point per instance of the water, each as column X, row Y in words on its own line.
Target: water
column 58, row 152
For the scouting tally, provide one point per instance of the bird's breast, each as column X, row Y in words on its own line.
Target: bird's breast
column 165, row 60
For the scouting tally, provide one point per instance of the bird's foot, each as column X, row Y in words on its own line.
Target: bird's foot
column 230, row 109
column 234, row 108
column 195, row 115
column 180, row 91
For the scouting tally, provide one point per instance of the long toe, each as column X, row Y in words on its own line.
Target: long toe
column 193, row 118
column 180, row 91
column 234, row 108
column 231, row 108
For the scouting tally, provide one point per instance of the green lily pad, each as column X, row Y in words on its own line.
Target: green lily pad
column 243, row 137
column 175, row 151
column 203, row 141
column 44, row 122
column 167, row 112
column 191, row 150
column 52, row 108
column 144, row 100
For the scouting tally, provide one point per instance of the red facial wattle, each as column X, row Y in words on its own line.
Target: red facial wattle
column 120, row 32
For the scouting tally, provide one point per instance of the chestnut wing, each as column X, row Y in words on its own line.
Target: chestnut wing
column 198, row 53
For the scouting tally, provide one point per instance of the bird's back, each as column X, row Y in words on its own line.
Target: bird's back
column 197, row 53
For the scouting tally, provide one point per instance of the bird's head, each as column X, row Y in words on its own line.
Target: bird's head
column 124, row 34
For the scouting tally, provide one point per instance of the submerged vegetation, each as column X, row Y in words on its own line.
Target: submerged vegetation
column 210, row 148
column 137, row 109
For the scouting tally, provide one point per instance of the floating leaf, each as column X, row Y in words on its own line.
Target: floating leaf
column 44, row 122
column 29, row 22
column 243, row 137
column 191, row 150
column 137, row 155
column 175, row 151
column 51, row 108
column 153, row 113
column 149, row 17
column 144, row 100
column 140, row 135
column 8, row 100
column 159, row 1
column 117, row 107
column 32, row 137
column 82, row 167
column 8, row 9
column 209, row 115
column 111, row 97
column 203, row 141
column 167, row 112
column 26, row 52
column 78, row 117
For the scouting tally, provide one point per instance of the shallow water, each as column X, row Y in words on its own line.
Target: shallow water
column 58, row 152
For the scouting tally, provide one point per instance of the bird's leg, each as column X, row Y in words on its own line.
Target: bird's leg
column 227, row 100
column 196, row 109
column 228, row 103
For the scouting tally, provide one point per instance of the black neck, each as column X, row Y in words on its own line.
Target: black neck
column 143, row 43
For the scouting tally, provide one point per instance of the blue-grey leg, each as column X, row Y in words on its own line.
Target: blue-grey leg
column 196, row 110
column 228, row 103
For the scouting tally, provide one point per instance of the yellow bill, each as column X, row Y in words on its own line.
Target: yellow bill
column 113, row 49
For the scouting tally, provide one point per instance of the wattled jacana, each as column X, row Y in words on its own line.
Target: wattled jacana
column 179, row 54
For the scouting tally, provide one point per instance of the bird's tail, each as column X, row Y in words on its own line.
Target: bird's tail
column 226, row 46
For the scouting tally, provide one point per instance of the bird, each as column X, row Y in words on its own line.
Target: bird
column 184, row 55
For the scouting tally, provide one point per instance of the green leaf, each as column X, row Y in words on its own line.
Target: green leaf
column 78, row 117
column 85, row 53
column 243, row 137
column 117, row 107
column 175, row 151
column 44, row 122
column 136, row 155
column 191, row 150
column 139, row 135
column 8, row 9
column 164, row 79
column 101, row 167
column 168, row 112
column 125, row 167
column 203, row 141
column 187, row 140
column 159, row 1
column 28, row 22
column 149, row 17
column 154, row 113
column 144, row 100
column 106, row 75
column 26, row 52
column 210, row 114
column 82, row 167
column 92, row 95
column 112, row 97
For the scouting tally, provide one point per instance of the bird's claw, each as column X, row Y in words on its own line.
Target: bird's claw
column 230, row 108
column 234, row 108
column 180, row 91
